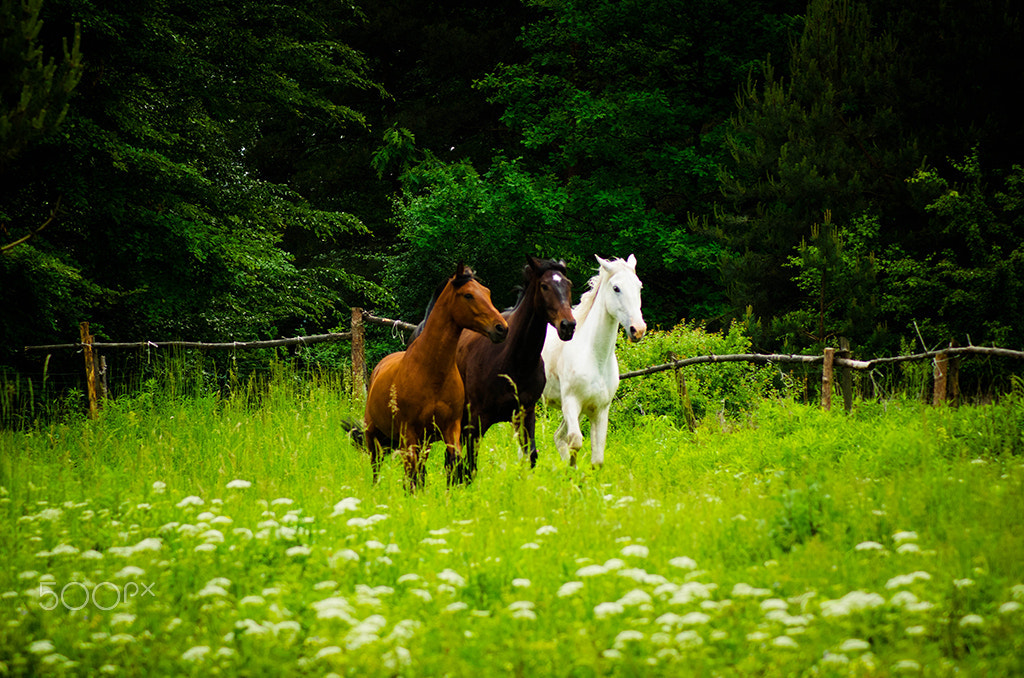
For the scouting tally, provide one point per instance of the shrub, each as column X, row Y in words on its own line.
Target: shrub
column 713, row 388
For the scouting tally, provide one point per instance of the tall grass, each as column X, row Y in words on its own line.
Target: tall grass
column 782, row 541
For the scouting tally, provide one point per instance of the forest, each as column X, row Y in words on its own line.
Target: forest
column 245, row 170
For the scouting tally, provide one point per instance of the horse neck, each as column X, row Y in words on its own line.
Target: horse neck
column 434, row 348
column 600, row 328
column 527, row 327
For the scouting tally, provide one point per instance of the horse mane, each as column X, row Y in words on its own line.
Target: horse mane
column 593, row 286
column 457, row 281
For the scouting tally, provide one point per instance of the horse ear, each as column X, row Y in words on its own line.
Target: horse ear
column 461, row 270
column 533, row 262
column 602, row 262
column 631, row 260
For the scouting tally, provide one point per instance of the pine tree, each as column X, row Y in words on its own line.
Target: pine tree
column 827, row 140
column 34, row 91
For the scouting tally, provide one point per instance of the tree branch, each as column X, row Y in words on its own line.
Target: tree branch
column 32, row 233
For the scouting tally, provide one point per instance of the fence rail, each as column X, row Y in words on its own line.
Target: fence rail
column 946, row 360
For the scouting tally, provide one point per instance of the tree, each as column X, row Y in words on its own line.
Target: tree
column 828, row 139
column 872, row 105
column 34, row 93
column 169, row 226
column 619, row 105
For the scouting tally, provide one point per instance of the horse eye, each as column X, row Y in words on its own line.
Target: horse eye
column 467, row 295
column 616, row 288
column 544, row 286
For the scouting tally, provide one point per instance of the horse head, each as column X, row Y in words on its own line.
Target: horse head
column 553, row 293
column 622, row 297
column 471, row 306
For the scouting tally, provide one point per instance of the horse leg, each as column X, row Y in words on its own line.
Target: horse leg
column 414, row 452
column 466, row 470
column 568, row 437
column 527, row 434
column 598, row 435
column 375, row 449
column 454, row 465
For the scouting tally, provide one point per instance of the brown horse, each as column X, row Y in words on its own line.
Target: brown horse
column 417, row 396
column 504, row 383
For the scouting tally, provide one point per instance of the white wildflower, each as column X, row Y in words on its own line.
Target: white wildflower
column 42, row 647
column 591, row 571
column 742, row 590
column 683, row 563
column 628, row 636
column 869, row 546
column 451, row 577
column 854, row 645
column 604, row 610
column 855, row 601
column 635, row 597
column 907, row 579
column 335, row 608
column 195, row 653
column 570, row 588
column 971, row 620
column 239, row 484
column 906, row 665
column 635, row 551
column 328, row 651
column 192, row 500
column 784, row 643
column 689, row 639
column 694, row 619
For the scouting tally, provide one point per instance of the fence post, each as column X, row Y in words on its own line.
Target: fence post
column 358, row 353
column 941, row 368
column 953, row 379
column 847, row 381
column 90, row 368
column 826, row 379
column 684, row 394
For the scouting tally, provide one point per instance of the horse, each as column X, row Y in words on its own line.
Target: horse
column 504, row 382
column 583, row 374
column 417, row 396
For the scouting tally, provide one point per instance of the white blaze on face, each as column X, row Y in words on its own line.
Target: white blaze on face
column 556, row 278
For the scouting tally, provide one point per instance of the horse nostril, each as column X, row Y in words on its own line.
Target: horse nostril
column 566, row 329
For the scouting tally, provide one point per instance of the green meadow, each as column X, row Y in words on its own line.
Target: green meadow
column 199, row 535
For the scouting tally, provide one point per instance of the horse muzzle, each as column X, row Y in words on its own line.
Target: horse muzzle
column 637, row 331
column 566, row 329
column 498, row 333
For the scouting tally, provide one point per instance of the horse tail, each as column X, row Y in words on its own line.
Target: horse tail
column 354, row 430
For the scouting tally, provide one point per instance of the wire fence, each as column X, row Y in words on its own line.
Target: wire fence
column 945, row 361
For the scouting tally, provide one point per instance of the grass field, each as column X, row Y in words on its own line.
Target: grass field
column 194, row 536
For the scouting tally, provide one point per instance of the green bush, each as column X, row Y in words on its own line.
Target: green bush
column 713, row 388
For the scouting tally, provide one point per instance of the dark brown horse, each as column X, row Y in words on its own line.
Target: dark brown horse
column 416, row 396
column 504, row 382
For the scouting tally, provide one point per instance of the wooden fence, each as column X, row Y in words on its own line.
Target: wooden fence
column 946, row 361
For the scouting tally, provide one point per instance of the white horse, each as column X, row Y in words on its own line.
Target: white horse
column 583, row 373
